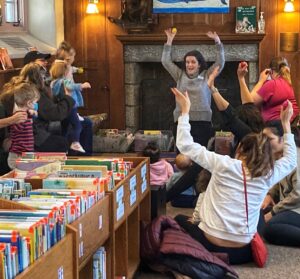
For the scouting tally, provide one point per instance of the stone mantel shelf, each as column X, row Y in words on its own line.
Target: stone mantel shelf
column 155, row 39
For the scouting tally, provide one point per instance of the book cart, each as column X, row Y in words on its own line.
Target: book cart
column 113, row 222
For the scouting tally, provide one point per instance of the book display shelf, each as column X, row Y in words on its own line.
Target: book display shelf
column 113, row 222
column 131, row 204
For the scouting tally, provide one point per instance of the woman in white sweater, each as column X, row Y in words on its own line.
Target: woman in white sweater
column 223, row 223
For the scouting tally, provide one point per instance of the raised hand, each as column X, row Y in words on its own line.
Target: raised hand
column 264, row 75
column 286, row 112
column 182, row 99
column 212, row 77
column 214, row 36
column 85, row 85
column 171, row 33
column 242, row 69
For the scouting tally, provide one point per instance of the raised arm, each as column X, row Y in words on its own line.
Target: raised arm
column 236, row 126
column 220, row 102
column 246, row 96
column 257, row 99
column 166, row 58
column 184, row 140
column 288, row 162
column 220, row 57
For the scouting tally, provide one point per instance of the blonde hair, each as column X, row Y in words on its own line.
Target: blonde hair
column 281, row 66
column 256, row 152
column 25, row 92
column 64, row 50
column 58, row 69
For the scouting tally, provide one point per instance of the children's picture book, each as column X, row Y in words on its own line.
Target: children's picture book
column 5, row 59
column 245, row 19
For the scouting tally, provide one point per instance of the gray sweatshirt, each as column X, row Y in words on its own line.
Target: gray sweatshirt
column 197, row 88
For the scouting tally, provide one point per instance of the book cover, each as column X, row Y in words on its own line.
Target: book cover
column 5, row 59
column 245, row 19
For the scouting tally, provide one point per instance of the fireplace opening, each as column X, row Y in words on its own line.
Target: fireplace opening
column 156, row 101
column 149, row 103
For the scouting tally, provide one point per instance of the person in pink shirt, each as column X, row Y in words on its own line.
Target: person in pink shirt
column 160, row 170
column 271, row 94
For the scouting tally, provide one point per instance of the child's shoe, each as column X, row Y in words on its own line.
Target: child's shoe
column 80, row 117
column 76, row 146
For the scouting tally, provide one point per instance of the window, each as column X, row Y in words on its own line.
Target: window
column 11, row 15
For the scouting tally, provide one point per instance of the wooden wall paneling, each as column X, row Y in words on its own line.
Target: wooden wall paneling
column 296, row 80
column 289, row 22
column 268, row 47
column 116, row 67
column 201, row 23
column 95, row 56
column 87, row 34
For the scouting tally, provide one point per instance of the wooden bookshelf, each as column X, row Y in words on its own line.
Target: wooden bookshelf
column 57, row 262
column 134, row 193
column 104, row 224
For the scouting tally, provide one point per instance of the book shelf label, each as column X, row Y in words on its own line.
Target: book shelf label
column 143, row 171
column 132, row 182
column 120, row 211
column 120, row 193
column 80, row 230
column 80, row 249
column 60, row 273
column 144, row 186
column 132, row 197
column 100, row 222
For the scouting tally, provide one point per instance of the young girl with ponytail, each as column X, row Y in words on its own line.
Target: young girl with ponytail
column 271, row 94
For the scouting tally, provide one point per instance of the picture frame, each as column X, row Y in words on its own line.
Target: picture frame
column 246, row 19
column 190, row 6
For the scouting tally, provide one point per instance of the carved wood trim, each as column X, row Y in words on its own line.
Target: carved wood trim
column 155, row 39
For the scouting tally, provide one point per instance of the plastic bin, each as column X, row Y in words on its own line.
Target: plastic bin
column 164, row 139
column 112, row 140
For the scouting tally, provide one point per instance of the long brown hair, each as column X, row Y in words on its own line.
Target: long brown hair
column 281, row 66
column 256, row 152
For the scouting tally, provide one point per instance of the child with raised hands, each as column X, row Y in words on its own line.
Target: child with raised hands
column 61, row 85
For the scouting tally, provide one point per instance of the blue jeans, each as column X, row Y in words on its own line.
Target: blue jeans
column 74, row 133
column 85, row 139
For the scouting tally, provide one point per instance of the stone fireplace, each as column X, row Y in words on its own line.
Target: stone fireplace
column 142, row 59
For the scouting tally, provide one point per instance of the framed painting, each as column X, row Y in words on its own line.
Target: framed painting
column 190, row 6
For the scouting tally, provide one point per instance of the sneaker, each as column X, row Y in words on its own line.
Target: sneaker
column 80, row 117
column 76, row 146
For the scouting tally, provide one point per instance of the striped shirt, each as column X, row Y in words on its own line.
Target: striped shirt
column 22, row 137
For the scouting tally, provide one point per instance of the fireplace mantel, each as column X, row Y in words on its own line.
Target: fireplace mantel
column 158, row 39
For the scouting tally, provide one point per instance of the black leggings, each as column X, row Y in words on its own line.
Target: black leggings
column 283, row 229
column 236, row 255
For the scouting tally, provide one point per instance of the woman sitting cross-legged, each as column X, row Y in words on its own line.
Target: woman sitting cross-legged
column 223, row 223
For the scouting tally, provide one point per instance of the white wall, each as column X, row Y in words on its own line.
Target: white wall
column 45, row 21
